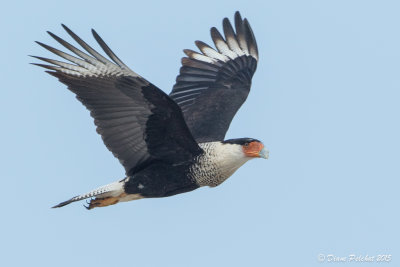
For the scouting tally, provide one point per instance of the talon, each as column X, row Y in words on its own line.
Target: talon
column 106, row 201
column 102, row 202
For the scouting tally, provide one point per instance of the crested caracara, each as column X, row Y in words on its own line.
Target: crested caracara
column 168, row 144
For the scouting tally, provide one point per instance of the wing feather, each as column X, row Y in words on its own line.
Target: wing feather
column 213, row 84
column 137, row 121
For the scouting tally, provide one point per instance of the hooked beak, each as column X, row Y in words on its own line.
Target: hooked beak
column 264, row 153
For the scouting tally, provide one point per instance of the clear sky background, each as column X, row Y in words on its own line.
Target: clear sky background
column 325, row 101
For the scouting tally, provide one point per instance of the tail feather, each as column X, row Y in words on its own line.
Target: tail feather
column 110, row 190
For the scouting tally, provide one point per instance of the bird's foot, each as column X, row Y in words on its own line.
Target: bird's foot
column 101, row 202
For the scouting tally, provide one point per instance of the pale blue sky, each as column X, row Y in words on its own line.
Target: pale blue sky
column 325, row 101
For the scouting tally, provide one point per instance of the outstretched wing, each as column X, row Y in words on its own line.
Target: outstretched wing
column 137, row 121
column 213, row 84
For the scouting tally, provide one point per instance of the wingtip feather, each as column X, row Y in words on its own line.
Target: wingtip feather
column 62, row 204
column 68, row 30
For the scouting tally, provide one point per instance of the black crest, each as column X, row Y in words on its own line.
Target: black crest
column 240, row 141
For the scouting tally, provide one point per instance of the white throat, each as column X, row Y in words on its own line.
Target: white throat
column 218, row 163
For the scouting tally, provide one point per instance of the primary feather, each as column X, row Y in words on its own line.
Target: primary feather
column 212, row 85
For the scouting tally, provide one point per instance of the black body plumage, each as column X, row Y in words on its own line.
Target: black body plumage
column 161, row 180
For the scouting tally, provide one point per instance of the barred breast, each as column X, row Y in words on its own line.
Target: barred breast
column 218, row 162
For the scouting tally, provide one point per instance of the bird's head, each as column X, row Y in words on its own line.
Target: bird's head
column 251, row 148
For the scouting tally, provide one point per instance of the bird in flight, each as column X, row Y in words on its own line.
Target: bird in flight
column 168, row 144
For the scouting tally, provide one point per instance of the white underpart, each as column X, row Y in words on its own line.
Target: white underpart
column 110, row 190
column 129, row 197
column 115, row 189
column 218, row 163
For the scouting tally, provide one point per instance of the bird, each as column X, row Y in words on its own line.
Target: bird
column 167, row 144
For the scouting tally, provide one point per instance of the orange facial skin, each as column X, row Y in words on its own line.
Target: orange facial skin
column 253, row 149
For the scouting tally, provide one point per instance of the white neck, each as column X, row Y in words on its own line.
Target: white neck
column 218, row 163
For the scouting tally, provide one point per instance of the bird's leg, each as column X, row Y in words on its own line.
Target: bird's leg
column 102, row 202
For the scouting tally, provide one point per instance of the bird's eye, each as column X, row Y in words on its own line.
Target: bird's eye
column 246, row 144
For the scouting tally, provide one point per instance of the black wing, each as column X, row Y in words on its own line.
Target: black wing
column 137, row 121
column 212, row 85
